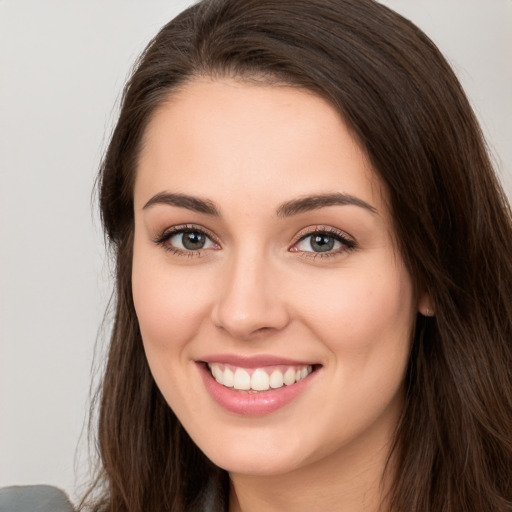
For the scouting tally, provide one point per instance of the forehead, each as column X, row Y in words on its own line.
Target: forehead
column 221, row 137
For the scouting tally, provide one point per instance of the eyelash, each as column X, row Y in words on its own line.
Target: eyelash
column 164, row 238
column 346, row 242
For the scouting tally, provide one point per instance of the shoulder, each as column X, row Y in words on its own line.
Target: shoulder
column 33, row 498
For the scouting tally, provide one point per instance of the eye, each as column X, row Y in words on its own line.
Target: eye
column 191, row 240
column 186, row 240
column 318, row 242
column 324, row 243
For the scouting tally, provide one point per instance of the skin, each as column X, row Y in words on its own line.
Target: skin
column 256, row 289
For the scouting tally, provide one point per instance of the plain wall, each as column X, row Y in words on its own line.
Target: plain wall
column 62, row 67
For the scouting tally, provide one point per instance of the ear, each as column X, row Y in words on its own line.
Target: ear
column 426, row 306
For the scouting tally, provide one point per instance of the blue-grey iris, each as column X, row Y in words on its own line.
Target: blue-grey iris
column 193, row 240
column 322, row 243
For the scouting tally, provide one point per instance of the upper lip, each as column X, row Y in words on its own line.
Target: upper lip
column 256, row 361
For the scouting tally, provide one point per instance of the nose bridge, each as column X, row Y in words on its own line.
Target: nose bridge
column 247, row 301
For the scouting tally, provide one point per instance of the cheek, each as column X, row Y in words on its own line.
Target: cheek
column 170, row 306
column 361, row 310
column 365, row 320
column 168, row 302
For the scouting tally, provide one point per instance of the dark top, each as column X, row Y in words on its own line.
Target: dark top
column 45, row 498
column 33, row 498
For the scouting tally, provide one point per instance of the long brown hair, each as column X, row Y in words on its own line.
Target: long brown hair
column 453, row 445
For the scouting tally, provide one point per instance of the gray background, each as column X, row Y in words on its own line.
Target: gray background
column 62, row 66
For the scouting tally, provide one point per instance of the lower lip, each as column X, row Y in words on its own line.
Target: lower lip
column 252, row 404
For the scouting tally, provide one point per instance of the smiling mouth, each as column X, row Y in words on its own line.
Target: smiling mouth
column 257, row 380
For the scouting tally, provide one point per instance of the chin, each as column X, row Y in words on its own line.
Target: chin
column 261, row 465
column 265, row 454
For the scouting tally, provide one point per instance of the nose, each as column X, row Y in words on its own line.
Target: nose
column 249, row 301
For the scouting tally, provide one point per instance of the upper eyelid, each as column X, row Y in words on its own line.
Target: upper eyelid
column 182, row 228
column 311, row 230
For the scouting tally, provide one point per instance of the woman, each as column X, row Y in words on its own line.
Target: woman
column 313, row 301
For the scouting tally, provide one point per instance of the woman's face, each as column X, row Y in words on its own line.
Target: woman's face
column 264, row 252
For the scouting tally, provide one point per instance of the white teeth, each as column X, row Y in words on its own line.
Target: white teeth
column 217, row 374
column 242, row 380
column 229, row 378
column 260, row 380
column 276, row 379
column 289, row 376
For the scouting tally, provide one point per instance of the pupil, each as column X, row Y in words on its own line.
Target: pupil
column 322, row 243
column 193, row 240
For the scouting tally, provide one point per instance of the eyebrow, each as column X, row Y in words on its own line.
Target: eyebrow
column 184, row 201
column 315, row 202
column 287, row 209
